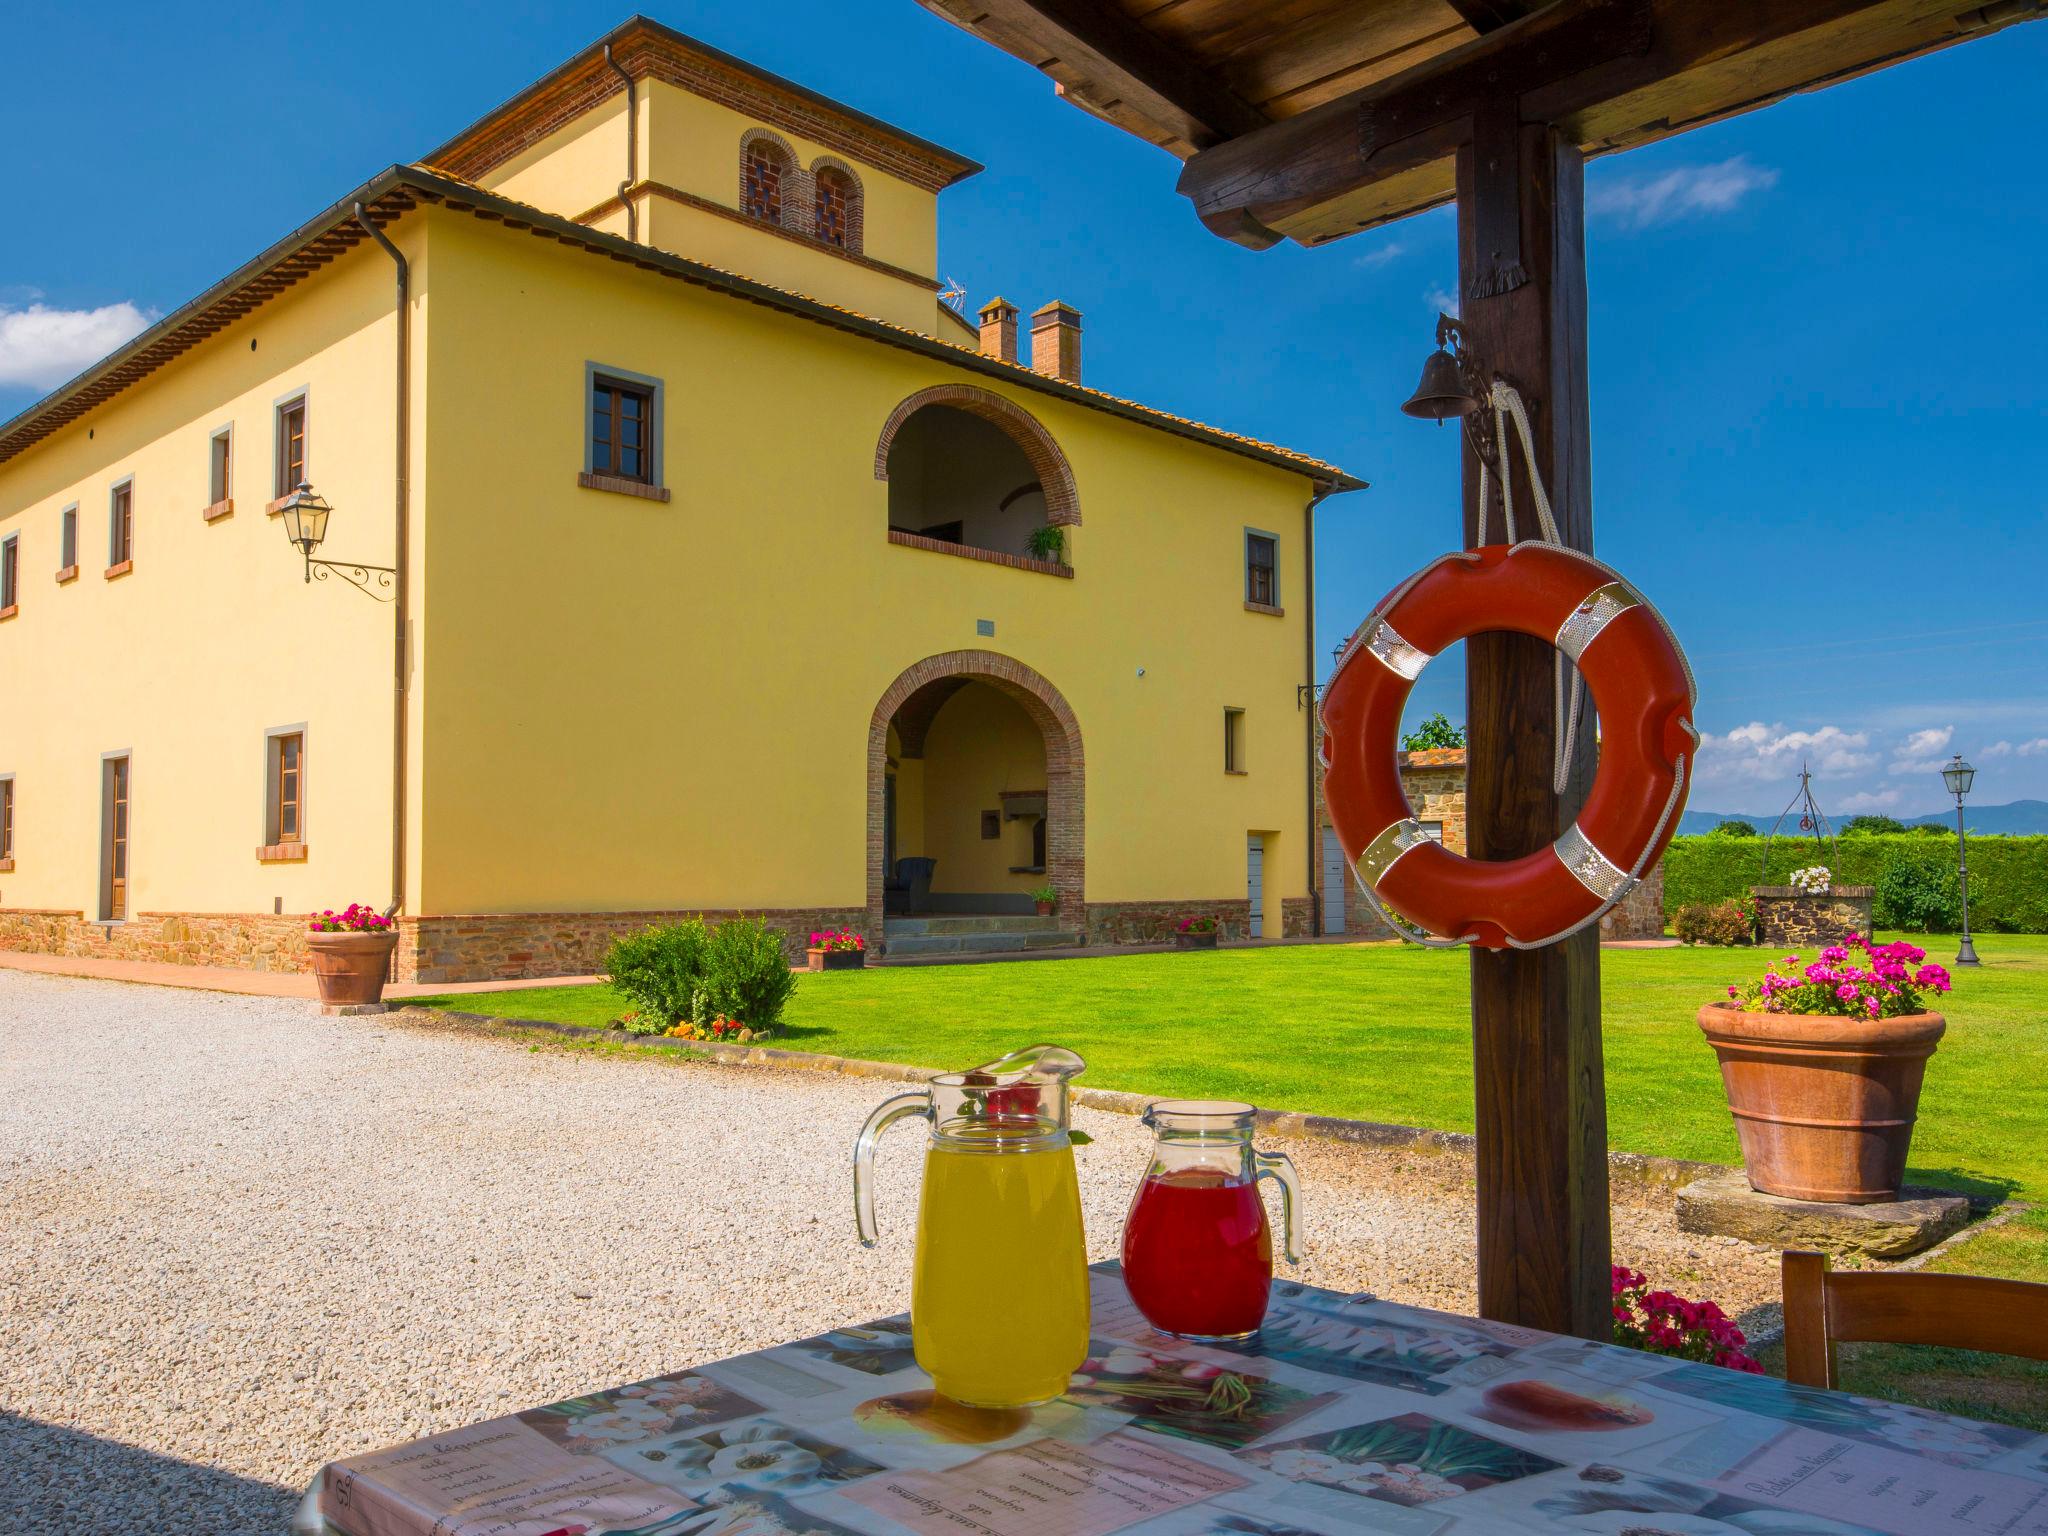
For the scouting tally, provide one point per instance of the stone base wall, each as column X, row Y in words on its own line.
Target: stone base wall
column 510, row 946
column 1641, row 913
column 1297, row 917
column 507, row 946
column 248, row 941
column 1154, row 922
column 1789, row 919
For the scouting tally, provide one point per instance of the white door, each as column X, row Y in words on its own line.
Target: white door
column 1336, row 880
column 1255, row 859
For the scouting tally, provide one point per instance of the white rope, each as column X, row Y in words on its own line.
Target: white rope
column 1507, row 406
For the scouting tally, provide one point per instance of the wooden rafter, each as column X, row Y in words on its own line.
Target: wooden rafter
column 1562, row 64
column 1122, row 63
column 1484, row 16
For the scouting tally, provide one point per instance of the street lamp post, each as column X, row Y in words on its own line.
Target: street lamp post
column 1957, row 776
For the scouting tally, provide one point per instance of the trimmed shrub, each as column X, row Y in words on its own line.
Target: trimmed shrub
column 746, row 974
column 1732, row 828
column 1720, row 922
column 2008, row 875
column 1873, row 826
column 1911, row 895
column 661, row 970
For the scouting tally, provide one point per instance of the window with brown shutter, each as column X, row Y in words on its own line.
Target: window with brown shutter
column 291, row 446
column 10, row 573
column 121, row 526
column 289, row 765
column 621, row 429
column 1261, row 569
column 7, row 821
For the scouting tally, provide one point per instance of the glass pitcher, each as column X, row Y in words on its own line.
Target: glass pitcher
column 1198, row 1254
column 999, row 1292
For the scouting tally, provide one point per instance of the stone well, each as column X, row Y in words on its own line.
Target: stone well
column 1789, row 919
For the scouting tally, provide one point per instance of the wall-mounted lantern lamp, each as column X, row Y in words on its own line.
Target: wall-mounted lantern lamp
column 305, row 514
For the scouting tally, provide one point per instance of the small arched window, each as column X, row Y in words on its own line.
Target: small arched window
column 832, row 208
column 765, row 174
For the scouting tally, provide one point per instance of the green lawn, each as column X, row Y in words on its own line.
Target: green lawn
column 1378, row 1032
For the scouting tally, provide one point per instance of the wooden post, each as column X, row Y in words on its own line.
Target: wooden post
column 1541, row 1109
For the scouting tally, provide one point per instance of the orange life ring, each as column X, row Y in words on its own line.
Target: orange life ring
column 1639, row 680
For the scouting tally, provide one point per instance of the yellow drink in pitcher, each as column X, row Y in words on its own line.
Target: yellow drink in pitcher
column 999, row 1297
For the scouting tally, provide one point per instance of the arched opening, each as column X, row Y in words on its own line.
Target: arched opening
column 835, row 207
column 974, row 792
column 967, row 467
column 767, row 170
column 963, row 480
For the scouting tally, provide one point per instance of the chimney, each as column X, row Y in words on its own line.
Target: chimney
column 999, row 329
column 1056, row 341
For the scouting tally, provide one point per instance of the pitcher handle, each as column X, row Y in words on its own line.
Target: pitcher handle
column 1278, row 1167
column 886, row 1115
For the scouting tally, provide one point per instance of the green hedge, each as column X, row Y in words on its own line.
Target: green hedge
column 2008, row 875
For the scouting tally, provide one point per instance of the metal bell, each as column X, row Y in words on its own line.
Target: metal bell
column 1443, row 392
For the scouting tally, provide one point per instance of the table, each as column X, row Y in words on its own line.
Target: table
column 1346, row 1414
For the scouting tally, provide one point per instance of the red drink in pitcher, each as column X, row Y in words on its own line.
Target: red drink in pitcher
column 1198, row 1253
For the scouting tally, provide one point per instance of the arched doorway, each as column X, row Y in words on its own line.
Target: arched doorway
column 928, row 705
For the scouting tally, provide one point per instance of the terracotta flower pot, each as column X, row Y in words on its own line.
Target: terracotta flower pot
column 349, row 968
column 1046, row 908
column 1823, row 1106
column 1195, row 940
column 836, row 959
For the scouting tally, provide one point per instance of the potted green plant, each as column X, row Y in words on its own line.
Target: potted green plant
column 1046, row 899
column 1823, row 1063
column 836, row 949
column 351, row 952
column 1048, row 542
column 1195, row 933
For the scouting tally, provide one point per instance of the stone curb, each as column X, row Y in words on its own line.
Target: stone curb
column 1656, row 1173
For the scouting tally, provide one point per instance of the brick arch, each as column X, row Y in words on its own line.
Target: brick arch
column 1065, row 771
column 856, row 201
column 795, row 187
column 1055, row 475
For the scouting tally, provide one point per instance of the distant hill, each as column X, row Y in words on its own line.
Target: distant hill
column 2018, row 817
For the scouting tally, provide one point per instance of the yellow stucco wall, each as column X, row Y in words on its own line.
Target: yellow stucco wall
column 638, row 704
column 981, row 743
column 213, row 637
column 693, row 144
column 615, row 703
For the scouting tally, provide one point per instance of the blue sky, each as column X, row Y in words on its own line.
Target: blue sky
column 1818, row 431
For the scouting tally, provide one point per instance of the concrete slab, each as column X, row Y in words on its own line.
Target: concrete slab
column 1723, row 1205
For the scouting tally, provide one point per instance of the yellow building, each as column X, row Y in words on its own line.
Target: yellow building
column 730, row 569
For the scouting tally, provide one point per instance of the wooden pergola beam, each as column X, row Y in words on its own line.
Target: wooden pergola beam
column 1484, row 16
column 1557, row 64
column 1124, row 62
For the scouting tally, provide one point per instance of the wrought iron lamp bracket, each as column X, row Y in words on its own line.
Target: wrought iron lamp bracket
column 377, row 581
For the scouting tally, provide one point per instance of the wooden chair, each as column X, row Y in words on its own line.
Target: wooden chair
column 1823, row 1308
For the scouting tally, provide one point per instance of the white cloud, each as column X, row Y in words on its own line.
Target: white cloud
column 2033, row 748
column 1921, row 751
column 1759, row 753
column 1381, row 255
column 1870, row 800
column 1997, row 749
column 1686, row 191
column 41, row 346
column 1441, row 300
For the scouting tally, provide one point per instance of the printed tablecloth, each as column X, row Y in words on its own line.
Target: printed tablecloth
column 1346, row 1414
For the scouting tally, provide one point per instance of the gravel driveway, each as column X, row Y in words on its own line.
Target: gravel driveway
column 242, row 1239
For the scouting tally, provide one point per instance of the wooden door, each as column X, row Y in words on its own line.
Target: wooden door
column 115, row 897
